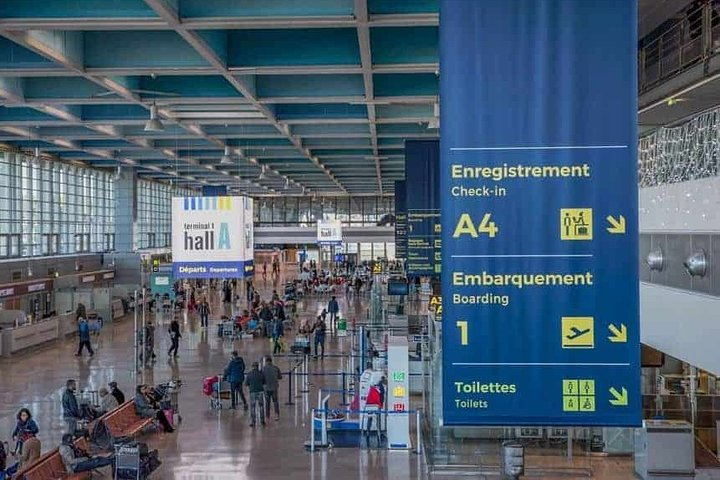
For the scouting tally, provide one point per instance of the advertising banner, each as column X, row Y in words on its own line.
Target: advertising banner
column 212, row 237
column 422, row 184
column 329, row 232
column 539, row 212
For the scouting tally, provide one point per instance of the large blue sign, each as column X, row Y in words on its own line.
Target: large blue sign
column 422, row 185
column 539, row 212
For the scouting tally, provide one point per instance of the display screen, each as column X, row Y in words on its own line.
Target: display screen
column 397, row 287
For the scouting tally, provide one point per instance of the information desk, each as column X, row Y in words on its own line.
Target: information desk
column 31, row 335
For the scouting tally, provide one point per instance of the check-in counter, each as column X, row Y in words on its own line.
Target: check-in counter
column 32, row 335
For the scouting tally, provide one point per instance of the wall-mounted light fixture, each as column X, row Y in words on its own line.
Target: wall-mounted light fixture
column 696, row 264
column 656, row 260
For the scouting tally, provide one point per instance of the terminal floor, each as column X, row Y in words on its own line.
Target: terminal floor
column 221, row 445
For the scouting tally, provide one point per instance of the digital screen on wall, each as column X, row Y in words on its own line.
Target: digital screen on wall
column 397, row 287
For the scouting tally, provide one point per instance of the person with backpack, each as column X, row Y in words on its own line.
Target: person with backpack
column 25, row 428
column 320, row 329
column 84, row 338
column 278, row 330
column 235, row 374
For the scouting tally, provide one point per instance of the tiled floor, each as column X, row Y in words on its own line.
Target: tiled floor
column 220, row 445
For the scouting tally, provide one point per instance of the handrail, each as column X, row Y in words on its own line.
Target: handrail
column 691, row 40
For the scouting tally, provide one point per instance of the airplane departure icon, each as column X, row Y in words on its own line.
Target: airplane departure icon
column 576, row 333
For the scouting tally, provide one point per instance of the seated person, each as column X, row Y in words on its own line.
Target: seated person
column 107, row 402
column 77, row 460
column 146, row 406
column 29, row 453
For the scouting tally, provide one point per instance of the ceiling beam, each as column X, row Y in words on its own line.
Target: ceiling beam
column 363, row 33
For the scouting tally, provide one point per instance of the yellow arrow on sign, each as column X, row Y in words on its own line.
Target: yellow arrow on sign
column 619, row 335
column 616, row 226
column 620, row 399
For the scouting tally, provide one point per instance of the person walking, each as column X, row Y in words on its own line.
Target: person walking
column 84, row 338
column 255, row 382
column 175, row 337
column 235, row 374
column 320, row 329
column 278, row 331
column 333, row 309
column 204, row 311
column 272, row 376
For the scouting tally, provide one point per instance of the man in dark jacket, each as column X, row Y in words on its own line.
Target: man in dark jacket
column 272, row 383
column 84, row 338
column 235, row 374
column 255, row 381
column 71, row 409
column 333, row 309
column 117, row 393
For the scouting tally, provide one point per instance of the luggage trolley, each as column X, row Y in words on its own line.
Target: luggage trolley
column 219, row 392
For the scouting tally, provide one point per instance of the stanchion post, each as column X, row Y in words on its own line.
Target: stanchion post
column 137, row 338
column 344, row 399
column 312, row 430
column 417, row 428
column 291, row 371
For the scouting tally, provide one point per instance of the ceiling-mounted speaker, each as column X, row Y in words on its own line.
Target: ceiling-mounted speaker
column 696, row 264
column 656, row 260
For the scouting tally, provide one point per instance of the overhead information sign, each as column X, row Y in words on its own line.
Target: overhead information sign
column 329, row 232
column 539, row 212
column 400, row 221
column 212, row 237
column 422, row 161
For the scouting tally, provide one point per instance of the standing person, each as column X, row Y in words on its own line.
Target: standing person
column 84, row 338
column 149, row 343
column 25, row 428
column 235, row 374
column 204, row 312
column 264, row 268
column 174, row 337
column 255, row 382
column 333, row 309
column 277, row 331
column 272, row 376
column 70, row 408
column 320, row 328
column 117, row 393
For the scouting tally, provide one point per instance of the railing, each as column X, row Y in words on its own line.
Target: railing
column 690, row 41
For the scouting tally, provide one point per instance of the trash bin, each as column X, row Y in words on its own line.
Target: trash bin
column 513, row 460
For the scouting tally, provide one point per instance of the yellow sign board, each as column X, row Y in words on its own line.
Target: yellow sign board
column 576, row 224
column 578, row 332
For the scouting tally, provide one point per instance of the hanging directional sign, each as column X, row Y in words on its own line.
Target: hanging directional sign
column 539, row 193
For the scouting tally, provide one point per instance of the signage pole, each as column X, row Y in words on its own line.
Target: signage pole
column 143, row 336
column 136, row 336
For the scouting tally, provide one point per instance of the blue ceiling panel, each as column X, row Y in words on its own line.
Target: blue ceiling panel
column 22, row 114
column 404, row 129
column 153, row 49
column 318, row 111
column 376, row 7
column 293, row 47
column 320, row 130
column 264, row 8
column 404, row 111
column 188, row 86
column 74, row 9
column 310, row 86
column 60, row 87
column 114, row 112
column 332, row 142
column 13, row 55
column 404, row 45
column 398, row 84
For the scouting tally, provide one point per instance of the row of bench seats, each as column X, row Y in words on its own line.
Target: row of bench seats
column 121, row 422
